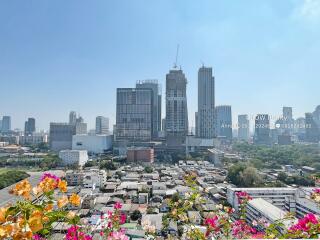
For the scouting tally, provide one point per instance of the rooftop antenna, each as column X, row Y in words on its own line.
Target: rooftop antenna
column 202, row 63
column 177, row 54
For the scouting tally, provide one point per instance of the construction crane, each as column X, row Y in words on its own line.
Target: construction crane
column 177, row 54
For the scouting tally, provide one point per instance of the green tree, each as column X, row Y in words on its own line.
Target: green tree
column 148, row 169
column 250, row 178
column 234, row 173
column 135, row 215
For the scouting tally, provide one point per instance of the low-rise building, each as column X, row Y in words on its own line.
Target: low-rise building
column 259, row 208
column 94, row 144
column 95, row 178
column 73, row 157
column 140, row 154
column 74, row 178
column 277, row 196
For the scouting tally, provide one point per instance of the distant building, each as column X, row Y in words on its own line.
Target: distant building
column 285, row 125
column 72, row 118
column 134, row 114
column 316, row 116
column 33, row 139
column 156, row 109
column 300, row 128
column 216, row 157
column 205, row 120
column 94, row 144
column 284, row 139
column 276, row 196
column 74, row 178
column 176, row 109
column 259, row 208
column 312, row 130
column 243, row 127
column 30, row 126
column 196, row 144
column 102, row 125
column 6, row 124
column 61, row 136
column 95, row 178
column 73, row 157
column 140, row 155
column 262, row 130
column 224, row 121
column 301, row 203
column 81, row 126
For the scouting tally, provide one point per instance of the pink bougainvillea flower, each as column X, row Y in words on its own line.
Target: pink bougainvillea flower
column 117, row 205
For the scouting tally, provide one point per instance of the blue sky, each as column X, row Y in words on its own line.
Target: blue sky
column 57, row 56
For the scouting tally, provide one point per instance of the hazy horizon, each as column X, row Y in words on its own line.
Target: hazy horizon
column 59, row 56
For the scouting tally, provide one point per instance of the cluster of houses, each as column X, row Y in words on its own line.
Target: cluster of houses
column 144, row 195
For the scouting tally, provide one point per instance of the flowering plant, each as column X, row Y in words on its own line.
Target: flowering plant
column 36, row 210
column 113, row 221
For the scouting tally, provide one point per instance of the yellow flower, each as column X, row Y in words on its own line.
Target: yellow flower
column 4, row 233
column 48, row 184
column 22, row 235
column 71, row 215
column 48, row 207
column 62, row 201
column 3, row 215
column 22, row 188
column 35, row 221
column 62, row 185
column 74, row 199
column 37, row 190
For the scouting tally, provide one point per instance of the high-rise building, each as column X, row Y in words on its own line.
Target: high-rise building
column 223, row 117
column 29, row 126
column 243, row 127
column 205, row 122
column 102, row 125
column 312, row 130
column 316, row 117
column 0, row 125
column 81, row 126
column 156, row 115
column 134, row 114
column 262, row 130
column 287, row 125
column 6, row 124
column 176, row 108
column 72, row 117
column 61, row 136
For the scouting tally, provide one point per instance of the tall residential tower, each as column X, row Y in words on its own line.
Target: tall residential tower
column 176, row 108
column 205, row 120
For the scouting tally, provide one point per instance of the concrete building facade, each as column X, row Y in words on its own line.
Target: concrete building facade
column 176, row 109
column 102, row 125
column 73, row 157
column 224, row 121
column 157, row 98
column 94, row 144
column 243, row 127
column 134, row 114
column 205, row 119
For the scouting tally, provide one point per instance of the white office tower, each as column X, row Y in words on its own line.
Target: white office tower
column 176, row 108
column 205, row 122
column 102, row 125
column 73, row 157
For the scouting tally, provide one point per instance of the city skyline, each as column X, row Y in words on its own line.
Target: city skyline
column 263, row 55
